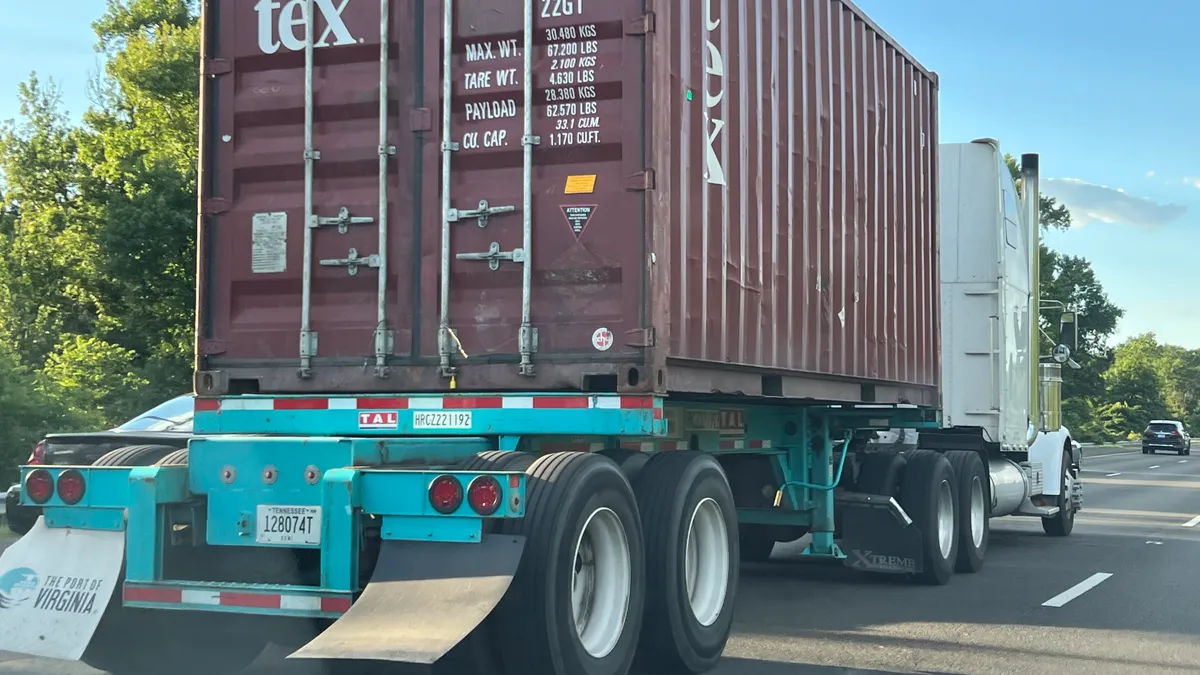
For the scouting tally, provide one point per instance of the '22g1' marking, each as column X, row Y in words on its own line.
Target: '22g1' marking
column 554, row 8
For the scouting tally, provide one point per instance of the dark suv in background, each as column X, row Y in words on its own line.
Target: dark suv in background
column 1166, row 435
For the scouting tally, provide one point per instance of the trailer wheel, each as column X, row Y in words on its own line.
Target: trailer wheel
column 630, row 461
column 689, row 524
column 974, row 522
column 498, row 460
column 575, row 605
column 177, row 458
column 1062, row 523
column 929, row 494
column 135, row 455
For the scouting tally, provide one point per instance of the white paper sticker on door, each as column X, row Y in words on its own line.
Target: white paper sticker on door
column 268, row 248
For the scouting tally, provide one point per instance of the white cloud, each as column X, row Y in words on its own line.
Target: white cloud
column 1150, row 174
column 1194, row 182
column 1092, row 203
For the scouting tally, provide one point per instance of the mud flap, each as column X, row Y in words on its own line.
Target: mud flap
column 54, row 587
column 423, row 599
column 877, row 536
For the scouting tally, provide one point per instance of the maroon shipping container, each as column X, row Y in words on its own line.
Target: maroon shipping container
column 716, row 196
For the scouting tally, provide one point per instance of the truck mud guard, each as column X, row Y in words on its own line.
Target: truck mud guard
column 55, row 584
column 423, row 599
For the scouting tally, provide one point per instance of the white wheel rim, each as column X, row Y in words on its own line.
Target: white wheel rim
column 601, row 582
column 945, row 519
column 706, row 562
column 978, row 517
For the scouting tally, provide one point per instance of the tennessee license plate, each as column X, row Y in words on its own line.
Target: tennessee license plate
column 288, row 525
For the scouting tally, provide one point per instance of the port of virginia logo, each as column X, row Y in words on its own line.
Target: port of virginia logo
column 21, row 587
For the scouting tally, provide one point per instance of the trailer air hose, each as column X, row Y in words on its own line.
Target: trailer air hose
column 814, row 486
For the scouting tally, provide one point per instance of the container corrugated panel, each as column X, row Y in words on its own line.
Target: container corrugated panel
column 725, row 196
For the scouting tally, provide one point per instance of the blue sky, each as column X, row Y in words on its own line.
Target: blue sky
column 1107, row 93
column 1111, row 108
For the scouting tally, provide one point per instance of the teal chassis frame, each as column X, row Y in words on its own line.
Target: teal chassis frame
column 374, row 458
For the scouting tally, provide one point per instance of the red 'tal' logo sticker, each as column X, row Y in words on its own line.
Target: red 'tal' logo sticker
column 379, row 419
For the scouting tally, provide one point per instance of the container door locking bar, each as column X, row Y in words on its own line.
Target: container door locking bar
column 494, row 255
column 527, row 336
column 353, row 261
column 343, row 220
column 480, row 214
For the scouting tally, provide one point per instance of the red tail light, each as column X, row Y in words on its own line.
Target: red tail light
column 445, row 494
column 71, row 487
column 39, row 486
column 484, row 495
column 38, row 456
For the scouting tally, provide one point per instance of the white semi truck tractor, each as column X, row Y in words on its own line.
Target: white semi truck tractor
column 1000, row 397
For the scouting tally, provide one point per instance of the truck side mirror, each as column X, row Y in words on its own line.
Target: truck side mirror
column 1068, row 331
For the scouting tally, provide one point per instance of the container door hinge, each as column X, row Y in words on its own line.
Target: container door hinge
column 642, row 180
column 494, row 255
column 214, row 67
column 640, row 337
column 641, row 25
column 353, row 261
column 343, row 220
column 480, row 214
column 214, row 206
column 211, row 347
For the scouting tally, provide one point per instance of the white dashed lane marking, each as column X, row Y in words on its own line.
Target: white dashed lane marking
column 1193, row 522
column 1112, row 474
column 1077, row 590
column 1154, row 467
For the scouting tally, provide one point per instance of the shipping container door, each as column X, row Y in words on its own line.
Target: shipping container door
column 307, row 246
column 533, row 245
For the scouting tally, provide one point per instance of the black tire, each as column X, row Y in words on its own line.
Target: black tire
column 880, row 473
column 534, row 625
column 671, row 490
column 1145, row 451
column 135, row 455
column 1062, row 523
column 177, row 458
column 927, row 477
column 973, row 493
column 498, row 460
column 630, row 461
column 138, row 642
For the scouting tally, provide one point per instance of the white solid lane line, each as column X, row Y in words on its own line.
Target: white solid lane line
column 1077, row 590
column 1193, row 522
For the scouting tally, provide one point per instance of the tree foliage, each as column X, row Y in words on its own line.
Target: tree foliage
column 97, row 229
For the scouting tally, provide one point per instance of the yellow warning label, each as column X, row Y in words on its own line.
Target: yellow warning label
column 580, row 185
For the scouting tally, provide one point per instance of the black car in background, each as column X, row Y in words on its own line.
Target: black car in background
column 1166, row 435
column 168, row 425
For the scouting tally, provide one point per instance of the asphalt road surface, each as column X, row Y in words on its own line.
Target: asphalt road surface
column 1118, row 596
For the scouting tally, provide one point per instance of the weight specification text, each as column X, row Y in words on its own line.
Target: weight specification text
column 571, row 103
